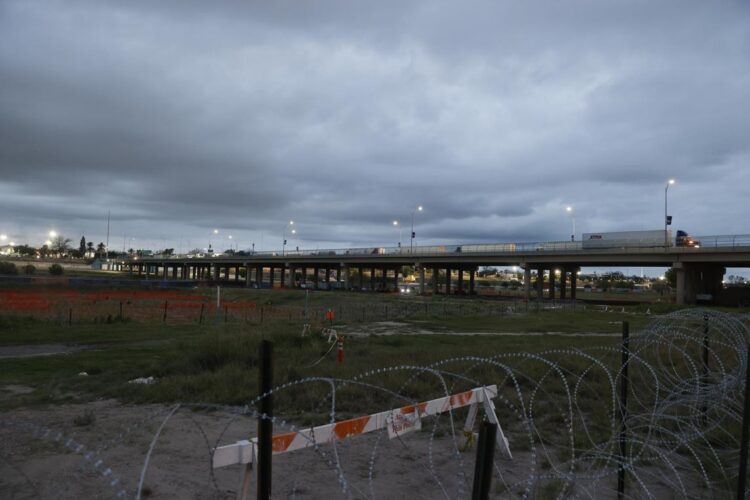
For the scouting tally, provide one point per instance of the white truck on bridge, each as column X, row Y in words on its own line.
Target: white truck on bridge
column 638, row 239
column 624, row 239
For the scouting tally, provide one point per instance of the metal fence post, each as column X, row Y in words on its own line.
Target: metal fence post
column 742, row 471
column 704, row 408
column 265, row 425
column 484, row 465
column 623, row 408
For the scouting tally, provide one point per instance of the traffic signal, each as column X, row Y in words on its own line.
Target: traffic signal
column 413, row 235
column 669, row 220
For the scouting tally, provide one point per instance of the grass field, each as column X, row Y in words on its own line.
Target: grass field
column 556, row 369
column 217, row 362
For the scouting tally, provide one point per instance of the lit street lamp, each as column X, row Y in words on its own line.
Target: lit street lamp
column 569, row 209
column 667, row 218
column 283, row 234
column 411, row 241
column 3, row 237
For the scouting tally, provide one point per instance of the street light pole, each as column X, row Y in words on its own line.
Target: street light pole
column 283, row 234
column 666, row 216
column 215, row 231
column 573, row 217
column 411, row 241
column 396, row 224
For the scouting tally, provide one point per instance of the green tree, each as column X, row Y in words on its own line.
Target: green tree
column 56, row 270
column 671, row 276
column 82, row 246
column 61, row 245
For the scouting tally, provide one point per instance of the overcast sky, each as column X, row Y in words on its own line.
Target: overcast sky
column 183, row 117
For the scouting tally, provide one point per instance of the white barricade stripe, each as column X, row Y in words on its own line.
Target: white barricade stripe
column 244, row 451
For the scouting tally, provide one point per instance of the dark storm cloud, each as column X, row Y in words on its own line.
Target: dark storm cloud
column 183, row 116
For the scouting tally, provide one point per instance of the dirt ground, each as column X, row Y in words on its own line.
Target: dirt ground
column 45, row 453
column 99, row 449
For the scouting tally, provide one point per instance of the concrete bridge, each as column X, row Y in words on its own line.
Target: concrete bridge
column 699, row 270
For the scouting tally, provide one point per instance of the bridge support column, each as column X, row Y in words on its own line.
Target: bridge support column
column 448, row 273
column 328, row 278
column 259, row 275
column 552, row 283
column 435, row 279
column 697, row 279
column 345, row 271
column 540, row 283
column 421, row 280
column 237, row 273
column 372, row 279
column 472, row 273
column 248, row 275
column 361, row 277
column 563, row 282
column 270, row 276
column 460, row 288
column 395, row 278
column 384, row 278
column 291, row 280
column 573, row 282
column 527, row 283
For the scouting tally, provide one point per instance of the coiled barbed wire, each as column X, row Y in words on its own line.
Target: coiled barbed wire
column 560, row 410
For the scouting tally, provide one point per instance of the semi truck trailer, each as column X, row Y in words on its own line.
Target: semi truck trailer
column 638, row 239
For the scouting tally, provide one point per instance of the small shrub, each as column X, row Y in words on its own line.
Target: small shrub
column 29, row 269
column 8, row 268
column 56, row 270
column 86, row 419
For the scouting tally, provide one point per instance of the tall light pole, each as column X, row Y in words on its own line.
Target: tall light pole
column 569, row 209
column 283, row 234
column 400, row 232
column 215, row 231
column 411, row 241
column 667, row 218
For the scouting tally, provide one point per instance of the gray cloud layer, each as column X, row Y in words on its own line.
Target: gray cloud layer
column 185, row 116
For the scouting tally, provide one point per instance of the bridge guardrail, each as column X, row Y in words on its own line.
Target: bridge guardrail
column 716, row 241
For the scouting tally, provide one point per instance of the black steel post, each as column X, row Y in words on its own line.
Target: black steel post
column 704, row 408
column 484, row 465
column 265, row 425
column 742, row 471
column 164, row 319
column 200, row 319
column 623, row 408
